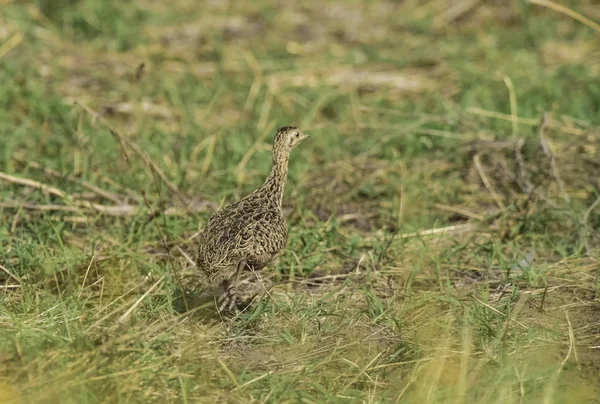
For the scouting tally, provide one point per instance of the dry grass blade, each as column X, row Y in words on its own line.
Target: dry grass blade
column 362, row 371
column 12, row 43
column 567, row 11
column 95, row 189
column 585, row 223
column 83, row 206
column 348, row 77
column 87, row 271
column 120, row 210
column 487, row 183
column 456, row 11
column 186, row 256
column 33, row 184
column 460, row 211
column 229, row 373
column 523, row 121
column 10, row 274
column 588, row 212
column 249, row 382
column 551, row 389
column 39, row 207
column 499, row 312
column 572, row 344
column 442, row 230
column 126, row 315
column 513, row 105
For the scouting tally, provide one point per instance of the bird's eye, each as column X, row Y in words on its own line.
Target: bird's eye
column 297, row 134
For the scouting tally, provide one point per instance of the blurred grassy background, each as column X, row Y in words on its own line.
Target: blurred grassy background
column 443, row 217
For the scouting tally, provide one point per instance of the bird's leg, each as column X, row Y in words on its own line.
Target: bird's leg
column 228, row 300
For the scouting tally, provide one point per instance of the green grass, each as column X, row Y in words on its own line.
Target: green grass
column 410, row 116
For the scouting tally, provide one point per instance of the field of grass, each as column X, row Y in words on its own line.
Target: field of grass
column 444, row 216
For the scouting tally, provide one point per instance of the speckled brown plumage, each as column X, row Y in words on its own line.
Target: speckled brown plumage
column 251, row 231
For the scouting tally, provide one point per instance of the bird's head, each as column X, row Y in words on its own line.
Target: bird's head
column 288, row 137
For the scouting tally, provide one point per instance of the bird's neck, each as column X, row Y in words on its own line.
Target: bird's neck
column 275, row 183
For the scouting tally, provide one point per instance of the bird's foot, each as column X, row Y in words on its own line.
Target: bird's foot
column 228, row 300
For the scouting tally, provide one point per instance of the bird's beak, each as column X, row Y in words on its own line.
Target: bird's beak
column 304, row 136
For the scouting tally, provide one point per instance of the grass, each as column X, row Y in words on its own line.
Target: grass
column 477, row 118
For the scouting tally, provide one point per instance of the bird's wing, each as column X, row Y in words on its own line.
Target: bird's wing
column 268, row 232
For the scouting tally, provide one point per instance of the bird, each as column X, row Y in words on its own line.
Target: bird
column 251, row 232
